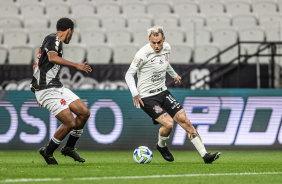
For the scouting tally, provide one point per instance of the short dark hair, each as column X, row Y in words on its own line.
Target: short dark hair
column 64, row 23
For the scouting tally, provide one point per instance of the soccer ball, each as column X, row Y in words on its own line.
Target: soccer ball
column 142, row 155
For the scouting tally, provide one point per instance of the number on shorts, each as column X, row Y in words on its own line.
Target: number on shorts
column 170, row 98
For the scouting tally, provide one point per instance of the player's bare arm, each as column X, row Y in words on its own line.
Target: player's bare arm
column 137, row 101
column 54, row 58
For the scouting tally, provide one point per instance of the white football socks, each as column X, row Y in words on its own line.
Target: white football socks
column 56, row 141
column 76, row 133
column 199, row 145
column 162, row 141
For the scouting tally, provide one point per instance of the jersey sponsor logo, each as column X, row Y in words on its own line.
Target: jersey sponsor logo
column 158, row 109
column 158, row 76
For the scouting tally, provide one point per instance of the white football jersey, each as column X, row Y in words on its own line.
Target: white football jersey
column 151, row 71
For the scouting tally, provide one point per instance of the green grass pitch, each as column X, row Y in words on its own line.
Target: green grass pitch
column 116, row 167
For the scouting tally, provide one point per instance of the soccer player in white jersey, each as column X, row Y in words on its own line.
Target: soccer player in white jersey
column 151, row 63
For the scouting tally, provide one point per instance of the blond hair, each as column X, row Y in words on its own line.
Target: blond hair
column 156, row 30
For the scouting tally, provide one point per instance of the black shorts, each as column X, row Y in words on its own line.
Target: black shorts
column 159, row 104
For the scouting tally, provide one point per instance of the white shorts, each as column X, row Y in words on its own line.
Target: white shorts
column 55, row 99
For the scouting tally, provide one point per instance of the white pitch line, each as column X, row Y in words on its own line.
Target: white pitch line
column 135, row 177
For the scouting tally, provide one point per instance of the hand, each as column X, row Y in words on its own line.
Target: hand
column 177, row 80
column 84, row 67
column 137, row 100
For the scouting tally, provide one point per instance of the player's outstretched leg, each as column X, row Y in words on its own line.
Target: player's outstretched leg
column 71, row 152
column 209, row 158
column 50, row 160
column 165, row 153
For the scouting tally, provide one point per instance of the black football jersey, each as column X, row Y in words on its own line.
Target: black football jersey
column 46, row 74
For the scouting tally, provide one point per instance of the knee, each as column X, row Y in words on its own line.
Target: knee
column 72, row 125
column 85, row 114
column 169, row 124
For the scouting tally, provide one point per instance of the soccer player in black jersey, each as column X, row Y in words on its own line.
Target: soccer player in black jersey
column 51, row 94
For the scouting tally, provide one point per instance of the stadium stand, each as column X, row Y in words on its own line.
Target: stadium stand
column 187, row 7
column 3, row 54
column 36, row 22
column 253, row 34
column 93, row 36
column 29, row 10
column 167, row 20
column 124, row 53
column 108, row 8
column 36, row 36
column 99, row 53
column 24, row 2
column 118, row 36
column 47, row 2
column 235, row 7
column 140, row 21
column 262, row 7
column 57, row 9
column 132, row 8
column 15, row 37
column 212, row 7
column 186, row 22
column 192, row 21
column 88, row 22
column 242, row 21
column 163, row 7
column 20, row 54
column 225, row 36
column 114, row 22
column 203, row 52
column 216, row 21
column 82, row 9
column 175, row 35
column 198, row 36
column 181, row 53
column 11, row 21
column 75, row 52
column 9, row 9
column 270, row 20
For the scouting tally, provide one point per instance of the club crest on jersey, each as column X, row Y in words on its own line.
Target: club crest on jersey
column 158, row 109
column 161, row 61
column 166, row 57
column 63, row 102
